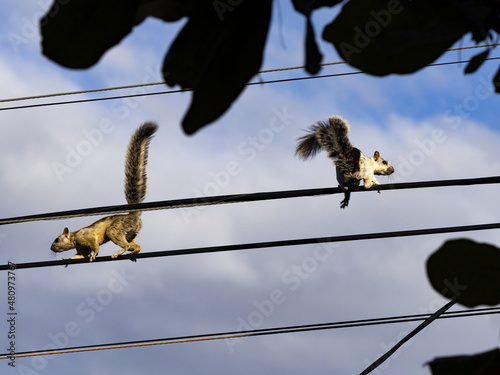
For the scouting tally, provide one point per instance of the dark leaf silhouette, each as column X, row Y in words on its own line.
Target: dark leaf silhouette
column 496, row 81
column 220, row 47
column 476, row 62
column 307, row 6
column 466, row 271
column 313, row 55
column 78, row 33
column 487, row 363
column 216, row 58
column 381, row 37
column 167, row 10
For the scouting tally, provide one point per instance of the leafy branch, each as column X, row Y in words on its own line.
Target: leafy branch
column 220, row 48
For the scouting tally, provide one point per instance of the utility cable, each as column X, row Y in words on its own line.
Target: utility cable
column 162, row 83
column 184, row 90
column 343, row 62
column 80, row 92
column 408, row 337
column 257, row 245
column 239, row 198
column 259, row 332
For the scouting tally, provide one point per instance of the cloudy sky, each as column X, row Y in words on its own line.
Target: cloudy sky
column 437, row 124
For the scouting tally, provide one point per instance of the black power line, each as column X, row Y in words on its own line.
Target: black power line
column 260, row 245
column 239, row 198
column 184, row 90
column 259, row 332
column 67, row 93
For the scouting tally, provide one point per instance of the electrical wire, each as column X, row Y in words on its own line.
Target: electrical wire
column 257, row 245
column 408, row 337
column 186, row 90
column 162, row 83
column 343, row 62
column 240, row 198
column 471, row 47
column 259, row 332
column 80, row 92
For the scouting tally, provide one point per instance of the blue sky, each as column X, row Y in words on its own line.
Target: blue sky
column 397, row 115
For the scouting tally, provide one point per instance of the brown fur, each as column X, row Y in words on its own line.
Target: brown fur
column 120, row 229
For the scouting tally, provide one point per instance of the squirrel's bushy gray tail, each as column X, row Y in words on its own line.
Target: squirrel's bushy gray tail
column 331, row 135
column 308, row 145
column 136, row 160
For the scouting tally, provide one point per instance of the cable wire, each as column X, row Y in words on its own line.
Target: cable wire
column 162, row 83
column 408, row 337
column 343, row 62
column 186, row 90
column 259, row 332
column 239, row 198
column 257, row 245
column 80, row 92
column 471, row 47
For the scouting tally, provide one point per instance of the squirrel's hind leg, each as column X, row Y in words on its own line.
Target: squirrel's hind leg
column 134, row 247
column 123, row 233
column 125, row 245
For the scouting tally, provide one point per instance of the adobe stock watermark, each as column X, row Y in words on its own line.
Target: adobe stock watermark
column 29, row 27
column 425, row 148
column 75, row 154
column 91, row 139
column 362, row 38
column 452, row 287
column 460, row 111
column 453, row 119
column 86, row 311
column 292, row 279
column 12, row 334
column 248, row 150
column 223, row 6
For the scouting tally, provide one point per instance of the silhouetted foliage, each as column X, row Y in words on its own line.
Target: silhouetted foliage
column 466, row 271
column 487, row 363
column 220, row 48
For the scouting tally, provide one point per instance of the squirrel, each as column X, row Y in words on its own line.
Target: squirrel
column 120, row 229
column 351, row 165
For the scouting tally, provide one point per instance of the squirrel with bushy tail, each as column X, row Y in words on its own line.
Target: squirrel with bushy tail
column 351, row 165
column 120, row 229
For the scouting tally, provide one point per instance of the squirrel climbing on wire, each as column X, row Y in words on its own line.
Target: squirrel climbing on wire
column 120, row 229
column 351, row 165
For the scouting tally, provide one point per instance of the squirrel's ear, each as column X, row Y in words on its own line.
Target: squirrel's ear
column 376, row 155
column 65, row 231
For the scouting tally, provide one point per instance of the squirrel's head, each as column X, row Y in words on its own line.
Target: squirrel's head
column 63, row 242
column 382, row 167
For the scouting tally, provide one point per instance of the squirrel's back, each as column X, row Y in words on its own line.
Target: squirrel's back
column 135, row 162
column 331, row 135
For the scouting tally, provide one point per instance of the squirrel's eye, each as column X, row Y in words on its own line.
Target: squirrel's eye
column 56, row 240
column 384, row 162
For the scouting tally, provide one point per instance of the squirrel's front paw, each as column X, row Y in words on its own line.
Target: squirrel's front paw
column 369, row 183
